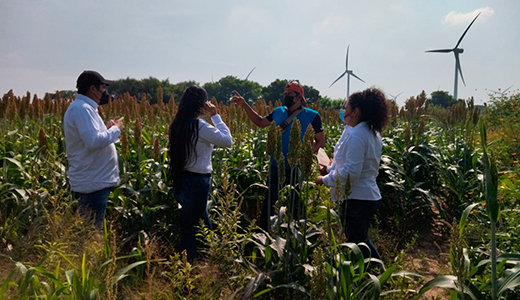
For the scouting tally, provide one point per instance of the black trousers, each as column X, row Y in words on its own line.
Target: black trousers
column 355, row 216
column 273, row 192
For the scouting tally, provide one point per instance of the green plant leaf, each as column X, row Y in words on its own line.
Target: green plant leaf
column 464, row 218
column 253, row 285
column 510, row 280
column 122, row 273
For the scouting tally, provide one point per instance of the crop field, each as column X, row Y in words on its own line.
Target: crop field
column 450, row 180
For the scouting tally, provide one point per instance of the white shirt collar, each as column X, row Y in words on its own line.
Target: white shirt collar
column 88, row 100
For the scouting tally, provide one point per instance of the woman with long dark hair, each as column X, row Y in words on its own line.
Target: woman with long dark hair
column 357, row 159
column 191, row 144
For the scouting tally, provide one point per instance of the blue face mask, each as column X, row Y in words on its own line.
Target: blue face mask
column 342, row 115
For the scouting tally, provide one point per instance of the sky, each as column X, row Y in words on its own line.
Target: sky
column 46, row 44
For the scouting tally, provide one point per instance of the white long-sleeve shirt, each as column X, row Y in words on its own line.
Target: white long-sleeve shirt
column 209, row 136
column 338, row 146
column 358, row 155
column 92, row 156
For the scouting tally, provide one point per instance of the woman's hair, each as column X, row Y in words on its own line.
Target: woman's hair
column 373, row 107
column 184, row 131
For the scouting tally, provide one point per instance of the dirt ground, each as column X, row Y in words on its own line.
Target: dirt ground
column 430, row 257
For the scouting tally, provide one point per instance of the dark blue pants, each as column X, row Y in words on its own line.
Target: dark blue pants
column 356, row 216
column 93, row 205
column 273, row 191
column 193, row 196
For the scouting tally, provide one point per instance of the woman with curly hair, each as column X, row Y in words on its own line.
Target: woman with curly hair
column 356, row 159
column 191, row 144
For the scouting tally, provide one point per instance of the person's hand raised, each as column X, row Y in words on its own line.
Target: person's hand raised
column 238, row 99
column 209, row 109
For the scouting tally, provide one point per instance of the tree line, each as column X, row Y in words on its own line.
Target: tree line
column 222, row 90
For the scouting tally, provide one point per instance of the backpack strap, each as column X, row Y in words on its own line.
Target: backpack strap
column 290, row 118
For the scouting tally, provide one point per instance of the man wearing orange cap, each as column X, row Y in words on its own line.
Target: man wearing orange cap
column 283, row 117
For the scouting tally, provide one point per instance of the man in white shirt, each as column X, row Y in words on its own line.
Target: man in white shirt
column 91, row 153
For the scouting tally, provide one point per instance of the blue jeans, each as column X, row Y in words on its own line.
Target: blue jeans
column 93, row 205
column 193, row 196
column 356, row 216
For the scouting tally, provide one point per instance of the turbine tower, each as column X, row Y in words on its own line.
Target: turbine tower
column 349, row 72
column 456, row 51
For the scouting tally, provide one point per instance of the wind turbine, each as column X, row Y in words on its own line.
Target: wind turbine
column 502, row 93
column 395, row 97
column 456, row 51
column 349, row 72
column 250, row 73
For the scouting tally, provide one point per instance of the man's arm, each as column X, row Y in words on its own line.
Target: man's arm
column 257, row 119
column 319, row 136
column 319, row 141
column 92, row 135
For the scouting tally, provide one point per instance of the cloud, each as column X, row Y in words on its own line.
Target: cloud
column 247, row 15
column 331, row 24
column 455, row 18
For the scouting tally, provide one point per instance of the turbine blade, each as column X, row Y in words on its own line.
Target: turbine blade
column 341, row 76
column 460, row 69
column 507, row 89
column 460, row 40
column 391, row 95
column 399, row 94
column 357, row 77
column 346, row 60
column 250, row 73
column 440, row 50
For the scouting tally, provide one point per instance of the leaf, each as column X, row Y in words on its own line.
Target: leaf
column 386, row 275
column 70, row 275
column 252, row 285
column 464, row 217
column 510, row 279
column 5, row 284
column 122, row 273
column 444, row 281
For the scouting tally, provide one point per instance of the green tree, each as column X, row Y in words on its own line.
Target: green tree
column 327, row 102
column 137, row 88
column 222, row 90
column 311, row 94
column 65, row 94
column 442, row 98
column 133, row 86
column 274, row 91
column 176, row 90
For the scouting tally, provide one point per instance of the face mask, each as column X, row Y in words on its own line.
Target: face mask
column 104, row 98
column 344, row 119
column 288, row 101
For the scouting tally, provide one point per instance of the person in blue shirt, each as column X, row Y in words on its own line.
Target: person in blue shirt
column 293, row 99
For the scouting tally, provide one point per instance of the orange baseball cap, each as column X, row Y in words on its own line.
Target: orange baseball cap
column 296, row 87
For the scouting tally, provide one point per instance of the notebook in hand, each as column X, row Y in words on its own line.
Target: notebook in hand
column 323, row 158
